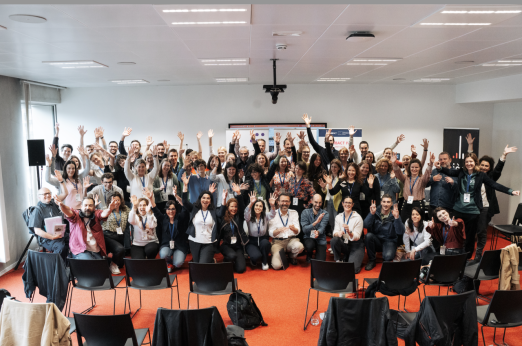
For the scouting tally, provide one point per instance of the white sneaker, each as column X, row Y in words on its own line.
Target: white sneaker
column 331, row 250
column 265, row 266
column 114, row 268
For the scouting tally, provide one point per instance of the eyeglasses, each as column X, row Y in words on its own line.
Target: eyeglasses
column 45, row 194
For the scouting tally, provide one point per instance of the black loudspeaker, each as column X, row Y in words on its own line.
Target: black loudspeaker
column 36, row 152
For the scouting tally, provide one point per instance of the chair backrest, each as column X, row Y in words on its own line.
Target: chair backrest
column 211, row 277
column 489, row 263
column 105, row 330
column 146, row 272
column 506, row 307
column 447, row 268
column 398, row 275
column 90, row 273
column 332, row 275
column 517, row 218
column 448, row 309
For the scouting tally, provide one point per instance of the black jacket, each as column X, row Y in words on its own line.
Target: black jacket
column 250, row 160
column 347, row 189
column 192, row 211
column 357, row 322
column 47, row 272
column 445, row 324
column 225, row 230
column 481, row 178
column 180, row 229
column 325, row 157
column 202, row 327
column 370, row 194
column 494, row 174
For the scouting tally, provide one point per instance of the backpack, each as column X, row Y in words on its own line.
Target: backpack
column 243, row 311
column 464, row 285
column 27, row 216
column 236, row 336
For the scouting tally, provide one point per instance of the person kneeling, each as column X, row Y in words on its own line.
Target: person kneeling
column 283, row 229
column 347, row 234
column 383, row 226
column 314, row 221
column 232, row 215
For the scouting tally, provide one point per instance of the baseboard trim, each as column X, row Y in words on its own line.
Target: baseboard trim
column 11, row 266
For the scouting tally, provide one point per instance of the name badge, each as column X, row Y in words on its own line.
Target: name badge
column 128, row 188
column 233, row 240
column 346, row 240
column 260, row 198
column 118, row 230
column 295, row 201
column 163, row 195
column 443, row 250
column 362, row 197
column 78, row 197
column 285, row 236
column 171, row 244
column 144, row 236
column 382, row 193
column 467, row 198
column 410, row 200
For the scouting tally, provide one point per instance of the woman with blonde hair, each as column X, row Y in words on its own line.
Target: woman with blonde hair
column 386, row 179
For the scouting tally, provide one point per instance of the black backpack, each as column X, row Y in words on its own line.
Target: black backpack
column 243, row 311
column 27, row 216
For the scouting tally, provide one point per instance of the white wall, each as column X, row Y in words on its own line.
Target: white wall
column 490, row 90
column 507, row 129
column 383, row 111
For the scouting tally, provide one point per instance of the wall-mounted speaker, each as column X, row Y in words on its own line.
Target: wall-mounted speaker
column 36, row 152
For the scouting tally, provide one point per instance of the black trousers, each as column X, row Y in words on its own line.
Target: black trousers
column 114, row 244
column 149, row 251
column 60, row 246
column 353, row 251
column 320, row 250
column 202, row 253
column 471, row 224
column 259, row 251
column 234, row 253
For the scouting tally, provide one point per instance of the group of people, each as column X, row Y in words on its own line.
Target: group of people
column 262, row 205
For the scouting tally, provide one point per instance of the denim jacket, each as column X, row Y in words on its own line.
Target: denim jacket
column 308, row 218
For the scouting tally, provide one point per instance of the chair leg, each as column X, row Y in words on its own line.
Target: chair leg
column 439, row 291
column 313, row 313
column 114, row 307
column 93, row 304
column 306, row 311
column 404, row 305
column 150, row 340
column 198, row 300
column 177, row 288
column 69, row 312
column 447, row 291
column 424, row 287
column 399, row 304
column 482, row 330
column 503, row 337
column 138, row 308
column 188, row 303
column 171, row 293
column 420, row 301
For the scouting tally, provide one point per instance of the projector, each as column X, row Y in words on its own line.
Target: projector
column 360, row 37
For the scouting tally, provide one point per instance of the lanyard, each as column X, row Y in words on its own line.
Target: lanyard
column 259, row 187
column 75, row 185
column 144, row 223
column 101, row 170
column 165, row 182
column 232, row 227
column 282, row 180
column 469, row 181
column 259, row 227
column 411, row 187
column 172, row 228
column 204, row 217
column 414, row 241
column 142, row 181
column 444, row 235
column 287, row 218
column 344, row 218
column 351, row 188
column 296, row 189
column 115, row 218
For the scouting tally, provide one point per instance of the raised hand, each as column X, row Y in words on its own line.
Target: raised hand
column 58, row 175
column 199, row 135
column 236, row 188
column 148, row 193
column 53, row 150
column 179, row 199
column 241, row 174
column 327, row 135
column 210, row 133
column 437, row 164
column 252, row 136
column 393, row 157
column 307, row 119
column 508, row 150
column 292, row 167
column 373, row 208
column 470, row 139
column 449, row 180
column 86, row 183
column 57, row 129
column 392, row 174
column 452, row 222
column 244, row 186
column 81, row 130
column 96, row 200
column 57, row 201
column 97, row 133
column 301, row 135
column 395, row 211
column 224, row 196
column 321, row 183
column 185, row 179
column 253, row 197
column 131, row 150
column 282, row 153
column 212, row 188
column 81, row 151
column 97, row 146
column 166, row 146
column 351, row 130
column 48, row 159
column 154, row 150
column 126, row 132
column 181, row 136
column 371, row 178
column 272, row 200
column 238, row 136
column 327, row 179
column 413, row 149
column 149, row 141
column 515, row 193
column 134, row 200
column 425, row 144
column 351, row 150
column 431, row 223
column 432, row 158
column 277, row 137
column 400, row 138
column 113, row 204
column 437, row 177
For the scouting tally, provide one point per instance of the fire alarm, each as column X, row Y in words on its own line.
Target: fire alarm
column 280, row 46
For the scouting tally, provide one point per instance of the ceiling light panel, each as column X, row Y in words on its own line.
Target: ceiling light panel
column 204, row 15
column 129, row 81
column 372, row 61
column 431, row 80
column 231, row 80
column 461, row 15
column 504, row 63
column 325, row 79
column 225, row 62
column 76, row 64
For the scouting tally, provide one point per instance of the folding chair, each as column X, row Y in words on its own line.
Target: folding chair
column 108, row 330
column 211, row 279
column 445, row 270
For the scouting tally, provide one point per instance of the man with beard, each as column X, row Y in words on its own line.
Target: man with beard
column 313, row 222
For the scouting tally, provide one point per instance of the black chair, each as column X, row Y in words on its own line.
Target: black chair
column 148, row 275
column 108, row 330
column 398, row 275
column 504, row 311
column 445, row 270
column 92, row 275
column 487, row 269
column 211, row 279
column 330, row 277
column 509, row 232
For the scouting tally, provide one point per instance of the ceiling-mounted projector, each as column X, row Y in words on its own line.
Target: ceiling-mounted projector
column 274, row 89
column 360, row 36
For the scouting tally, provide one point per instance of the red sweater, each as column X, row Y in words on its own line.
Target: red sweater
column 455, row 238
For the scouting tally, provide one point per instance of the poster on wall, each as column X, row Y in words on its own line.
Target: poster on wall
column 341, row 138
column 456, row 145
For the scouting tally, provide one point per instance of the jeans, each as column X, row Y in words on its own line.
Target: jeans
column 114, row 244
column 234, row 253
column 257, row 252
column 374, row 244
column 353, row 251
column 60, row 245
column 148, row 251
column 88, row 255
column 202, row 253
column 175, row 257
column 470, row 223
column 320, row 250
column 482, row 233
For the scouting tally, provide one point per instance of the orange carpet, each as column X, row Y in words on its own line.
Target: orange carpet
column 280, row 295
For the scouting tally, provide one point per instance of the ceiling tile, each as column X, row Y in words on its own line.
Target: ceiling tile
column 112, row 15
column 296, row 14
column 386, row 14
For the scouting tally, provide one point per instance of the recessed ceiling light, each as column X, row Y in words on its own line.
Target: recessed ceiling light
column 76, row 64
column 455, row 24
column 286, row 33
column 225, row 62
column 326, row 79
column 129, row 81
column 482, row 12
column 465, row 62
column 431, row 80
column 231, row 80
column 207, row 10
column 126, row 63
column 504, row 63
column 206, row 23
column 372, row 61
column 27, row 18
